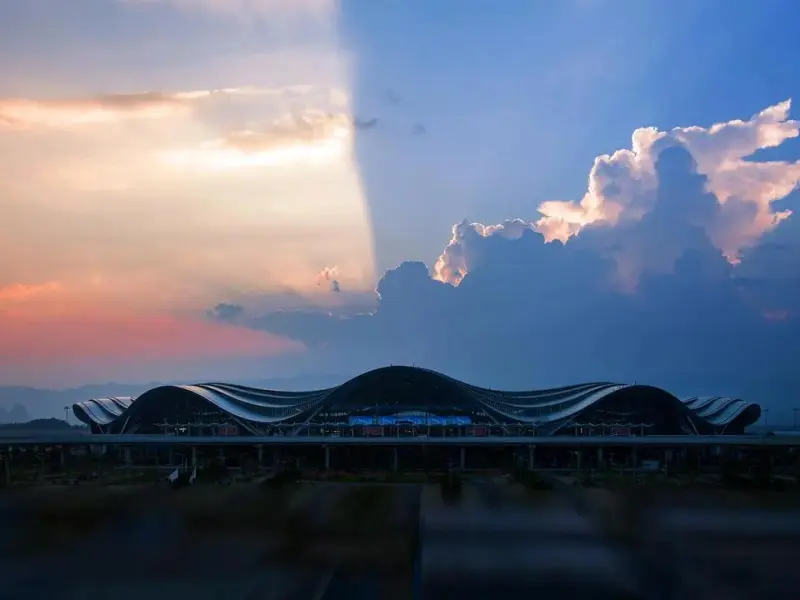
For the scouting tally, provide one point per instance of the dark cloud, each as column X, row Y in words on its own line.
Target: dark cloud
column 225, row 312
column 366, row 124
column 391, row 97
column 676, row 269
column 650, row 300
column 328, row 276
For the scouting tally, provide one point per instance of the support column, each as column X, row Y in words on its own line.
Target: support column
column 395, row 459
column 6, row 469
column 463, row 458
column 531, row 457
column 600, row 460
column 127, row 454
column 261, row 456
column 171, row 456
column 327, row 458
column 194, row 456
column 579, row 459
column 635, row 456
column 276, row 457
column 62, row 459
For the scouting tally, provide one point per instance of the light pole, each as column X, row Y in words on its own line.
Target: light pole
column 766, row 416
column 66, row 414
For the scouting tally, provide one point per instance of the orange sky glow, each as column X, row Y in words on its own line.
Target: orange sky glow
column 130, row 210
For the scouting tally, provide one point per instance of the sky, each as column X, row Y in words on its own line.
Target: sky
column 534, row 196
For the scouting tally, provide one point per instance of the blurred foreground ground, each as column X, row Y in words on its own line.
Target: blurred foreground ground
column 386, row 541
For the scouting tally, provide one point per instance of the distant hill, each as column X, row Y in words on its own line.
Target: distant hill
column 15, row 414
column 21, row 404
column 40, row 425
column 31, row 403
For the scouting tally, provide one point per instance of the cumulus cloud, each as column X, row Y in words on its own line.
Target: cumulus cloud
column 623, row 185
column 646, row 292
column 456, row 260
column 682, row 213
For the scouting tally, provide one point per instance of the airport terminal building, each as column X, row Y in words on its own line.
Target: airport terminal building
column 414, row 402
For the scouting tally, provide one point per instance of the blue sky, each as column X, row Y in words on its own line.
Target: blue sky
column 344, row 141
column 519, row 101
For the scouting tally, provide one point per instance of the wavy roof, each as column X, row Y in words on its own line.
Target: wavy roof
column 721, row 410
column 412, row 388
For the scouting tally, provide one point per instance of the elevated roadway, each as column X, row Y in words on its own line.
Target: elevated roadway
column 656, row 441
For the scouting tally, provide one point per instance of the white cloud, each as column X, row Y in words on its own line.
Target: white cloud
column 22, row 113
column 310, row 137
column 455, row 261
column 622, row 185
